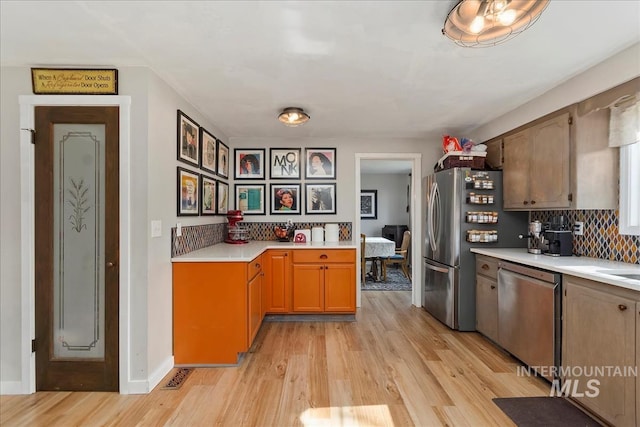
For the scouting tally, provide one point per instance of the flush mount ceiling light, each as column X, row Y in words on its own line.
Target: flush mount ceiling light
column 293, row 116
column 484, row 23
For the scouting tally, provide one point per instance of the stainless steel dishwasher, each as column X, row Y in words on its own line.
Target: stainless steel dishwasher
column 529, row 310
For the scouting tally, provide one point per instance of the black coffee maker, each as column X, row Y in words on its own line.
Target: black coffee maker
column 558, row 238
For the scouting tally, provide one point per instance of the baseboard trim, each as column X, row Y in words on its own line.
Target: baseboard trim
column 12, row 387
column 146, row 386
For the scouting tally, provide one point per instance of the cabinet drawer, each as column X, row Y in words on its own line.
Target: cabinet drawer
column 323, row 256
column 254, row 267
column 487, row 266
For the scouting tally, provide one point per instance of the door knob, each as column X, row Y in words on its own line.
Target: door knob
column 111, row 264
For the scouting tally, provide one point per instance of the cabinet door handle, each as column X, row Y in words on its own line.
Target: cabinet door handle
column 323, row 256
column 257, row 265
column 493, row 286
column 525, row 202
column 622, row 307
column 485, row 266
column 533, row 202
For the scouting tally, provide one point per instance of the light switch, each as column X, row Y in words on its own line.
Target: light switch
column 156, row 228
column 179, row 229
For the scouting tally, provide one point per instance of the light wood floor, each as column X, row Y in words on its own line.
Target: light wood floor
column 396, row 365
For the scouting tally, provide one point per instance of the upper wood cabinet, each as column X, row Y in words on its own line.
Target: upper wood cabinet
column 561, row 161
column 536, row 166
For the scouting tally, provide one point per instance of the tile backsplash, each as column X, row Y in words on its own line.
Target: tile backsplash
column 600, row 238
column 200, row 236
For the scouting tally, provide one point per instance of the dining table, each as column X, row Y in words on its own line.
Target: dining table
column 376, row 249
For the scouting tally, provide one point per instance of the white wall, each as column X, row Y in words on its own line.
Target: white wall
column 13, row 82
column 160, row 204
column 392, row 201
column 154, row 108
column 620, row 68
column 346, row 148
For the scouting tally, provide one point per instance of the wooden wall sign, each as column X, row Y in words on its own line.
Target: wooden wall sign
column 71, row 81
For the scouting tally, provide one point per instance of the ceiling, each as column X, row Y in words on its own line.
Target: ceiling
column 361, row 69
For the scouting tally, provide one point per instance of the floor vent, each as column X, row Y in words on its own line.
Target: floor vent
column 178, row 379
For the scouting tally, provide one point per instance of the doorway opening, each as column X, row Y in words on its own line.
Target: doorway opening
column 409, row 164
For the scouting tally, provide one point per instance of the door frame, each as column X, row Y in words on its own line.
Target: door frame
column 416, row 219
column 27, row 228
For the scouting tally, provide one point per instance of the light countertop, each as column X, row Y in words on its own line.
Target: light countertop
column 225, row 252
column 585, row 267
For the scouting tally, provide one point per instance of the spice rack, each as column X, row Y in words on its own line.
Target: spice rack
column 480, row 199
column 482, row 217
column 479, row 186
column 482, row 236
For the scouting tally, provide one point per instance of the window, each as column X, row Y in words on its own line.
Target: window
column 630, row 189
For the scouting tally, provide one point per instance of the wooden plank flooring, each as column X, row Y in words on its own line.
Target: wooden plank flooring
column 394, row 366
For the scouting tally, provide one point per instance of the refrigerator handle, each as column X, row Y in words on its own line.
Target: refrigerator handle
column 434, row 209
column 434, row 268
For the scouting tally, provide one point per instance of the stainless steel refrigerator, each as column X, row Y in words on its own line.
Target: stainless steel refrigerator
column 463, row 210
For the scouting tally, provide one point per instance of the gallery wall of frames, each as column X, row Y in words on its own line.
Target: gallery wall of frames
column 201, row 192
column 299, row 181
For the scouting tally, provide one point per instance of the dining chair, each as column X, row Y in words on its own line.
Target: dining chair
column 401, row 257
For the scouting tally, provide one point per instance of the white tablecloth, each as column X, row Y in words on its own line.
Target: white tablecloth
column 379, row 247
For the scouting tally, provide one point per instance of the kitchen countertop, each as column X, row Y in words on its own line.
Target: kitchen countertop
column 585, row 267
column 225, row 252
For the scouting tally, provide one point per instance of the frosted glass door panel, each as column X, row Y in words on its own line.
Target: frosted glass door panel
column 78, row 228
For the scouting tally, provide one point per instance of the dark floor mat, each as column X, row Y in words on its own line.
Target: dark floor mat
column 544, row 411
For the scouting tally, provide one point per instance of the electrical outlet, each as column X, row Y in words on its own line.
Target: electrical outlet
column 578, row 228
column 179, row 229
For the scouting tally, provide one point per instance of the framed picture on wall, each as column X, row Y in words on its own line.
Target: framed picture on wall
column 285, row 199
column 320, row 198
column 284, row 163
column 369, row 204
column 222, row 196
column 250, row 199
column 208, row 196
column 223, row 160
column 188, row 191
column 320, row 163
column 208, row 146
column 249, row 163
column 188, row 140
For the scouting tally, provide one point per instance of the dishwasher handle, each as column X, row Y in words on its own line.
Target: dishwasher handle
column 545, row 276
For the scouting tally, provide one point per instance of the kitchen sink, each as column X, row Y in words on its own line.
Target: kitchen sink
column 634, row 275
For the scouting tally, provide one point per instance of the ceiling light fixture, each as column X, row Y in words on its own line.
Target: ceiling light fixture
column 293, row 116
column 484, row 23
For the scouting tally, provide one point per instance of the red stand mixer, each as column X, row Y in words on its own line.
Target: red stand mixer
column 236, row 234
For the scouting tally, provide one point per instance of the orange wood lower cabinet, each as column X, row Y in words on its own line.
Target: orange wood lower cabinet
column 277, row 278
column 256, row 313
column 211, row 311
column 324, row 281
column 308, row 288
column 339, row 288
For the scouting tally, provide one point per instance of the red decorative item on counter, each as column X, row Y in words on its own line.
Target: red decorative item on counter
column 236, row 233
